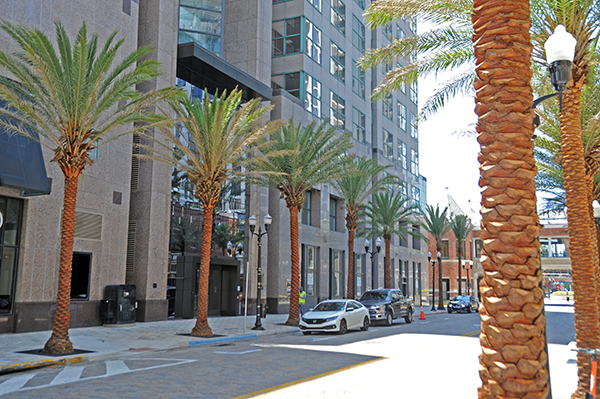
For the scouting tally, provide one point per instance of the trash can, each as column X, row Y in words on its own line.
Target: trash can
column 118, row 306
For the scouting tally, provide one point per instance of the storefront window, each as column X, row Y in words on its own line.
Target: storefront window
column 309, row 259
column 336, row 273
column 10, row 209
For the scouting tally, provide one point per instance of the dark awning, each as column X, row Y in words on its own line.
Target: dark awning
column 21, row 163
column 203, row 69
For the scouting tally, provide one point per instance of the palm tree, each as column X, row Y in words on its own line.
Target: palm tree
column 513, row 362
column 582, row 19
column 212, row 135
column 68, row 102
column 390, row 214
column 184, row 230
column 437, row 224
column 461, row 227
column 315, row 155
column 355, row 186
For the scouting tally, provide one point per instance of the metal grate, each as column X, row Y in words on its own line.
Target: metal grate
column 130, row 248
column 135, row 163
column 88, row 226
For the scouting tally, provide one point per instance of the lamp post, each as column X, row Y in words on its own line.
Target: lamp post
column 433, row 291
column 372, row 253
column 252, row 222
column 466, row 269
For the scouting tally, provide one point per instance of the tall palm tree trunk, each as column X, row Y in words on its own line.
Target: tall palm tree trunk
column 386, row 264
column 201, row 328
column 513, row 363
column 459, row 275
column 440, row 281
column 294, row 315
column 350, row 287
column 584, row 271
column 59, row 342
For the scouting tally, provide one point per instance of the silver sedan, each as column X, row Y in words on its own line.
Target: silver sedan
column 335, row 316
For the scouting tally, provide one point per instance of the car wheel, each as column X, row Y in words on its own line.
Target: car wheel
column 469, row 310
column 365, row 325
column 389, row 319
column 306, row 332
column 449, row 309
column 343, row 326
column 408, row 317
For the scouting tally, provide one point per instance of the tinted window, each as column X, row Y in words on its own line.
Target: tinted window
column 374, row 295
column 329, row 306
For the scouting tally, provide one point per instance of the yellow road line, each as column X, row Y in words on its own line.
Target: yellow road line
column 314, row 377
column 471, row 334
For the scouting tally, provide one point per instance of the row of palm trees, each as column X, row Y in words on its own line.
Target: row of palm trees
column 67, row 100
column 496, row 41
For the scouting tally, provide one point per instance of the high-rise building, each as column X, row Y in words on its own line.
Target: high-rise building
column 299, row 55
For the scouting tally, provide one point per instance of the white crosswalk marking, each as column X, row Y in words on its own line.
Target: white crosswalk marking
column 68, row 374
column 116, row 367
column 15, row 383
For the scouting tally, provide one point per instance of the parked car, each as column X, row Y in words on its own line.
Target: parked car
column 464, row 303
column 387, row 304
column 335, row 316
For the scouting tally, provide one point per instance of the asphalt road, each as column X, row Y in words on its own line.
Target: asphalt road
column 241, row 368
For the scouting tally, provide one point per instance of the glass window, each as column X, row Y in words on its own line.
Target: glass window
column 359, row 274
column 388, row 107
column 414, row 126
column 401, row 109
column 11, row 211
column 337, row 111
column 416, row 240
column 286, row 37
column 338, row 63
column 206, row 4
column 289, row 82
column 558, row 247
column 358, row 80
column 402, row 155
column 309, row 260
column 444, row 251
column 338, row 15
column 306, row 208
column 478, row 248
column 313, row 42
column 388, row 145
column 358, row 125
column 312, row 98
column 414, row 97
column 332, row 214
column 386, row 67
column 358, row 34
column 316, row 4
column 336, row 273
column 414, row 162
column 200, row 22
column 400, row 35
column 413, row 24
column 416, row 195
column 544, row 248
column 361, row 4
column 387, row 31
column 402, row 187
column 403, row 89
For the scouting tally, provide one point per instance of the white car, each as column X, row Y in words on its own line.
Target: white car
column 338, row 315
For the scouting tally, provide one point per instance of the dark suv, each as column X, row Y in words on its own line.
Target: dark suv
column 387, row 304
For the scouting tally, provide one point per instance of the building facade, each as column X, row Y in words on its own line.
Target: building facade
column 299, row 55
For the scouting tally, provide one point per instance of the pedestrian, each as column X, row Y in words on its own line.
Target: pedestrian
column 302, row 300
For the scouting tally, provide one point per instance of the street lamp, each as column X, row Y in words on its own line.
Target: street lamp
column 433, row 291
column 372, row 253
column 560, row 52
column 466, row 269
column 252, row 222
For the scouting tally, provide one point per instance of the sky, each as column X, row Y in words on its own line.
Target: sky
column 448, row 159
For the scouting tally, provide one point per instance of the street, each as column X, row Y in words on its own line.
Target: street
column 421, row 359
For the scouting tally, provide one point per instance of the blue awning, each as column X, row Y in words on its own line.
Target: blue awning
column 21, row 163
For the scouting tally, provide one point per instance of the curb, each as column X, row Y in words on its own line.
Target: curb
column 224, row 339
column 57, row 361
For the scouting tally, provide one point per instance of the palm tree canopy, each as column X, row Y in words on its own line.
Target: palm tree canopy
column 461, row 227
column 216, row 140
column 436, row 223
column 71, row 98
column 311, row 155
column 390, row 214
column 357, row 185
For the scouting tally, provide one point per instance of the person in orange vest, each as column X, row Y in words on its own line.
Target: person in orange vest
column 302, row 300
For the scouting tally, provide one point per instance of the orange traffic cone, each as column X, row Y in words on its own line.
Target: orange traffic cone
column 422, row 314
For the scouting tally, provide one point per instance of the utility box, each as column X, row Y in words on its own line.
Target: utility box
column 118, row 306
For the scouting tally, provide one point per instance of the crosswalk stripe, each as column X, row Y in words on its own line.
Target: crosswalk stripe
column 15, row 383
column 116, row 367
column 68, row 374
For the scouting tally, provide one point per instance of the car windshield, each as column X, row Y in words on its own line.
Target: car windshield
column 329, row 306
column 463, row 299
column 374, row 295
